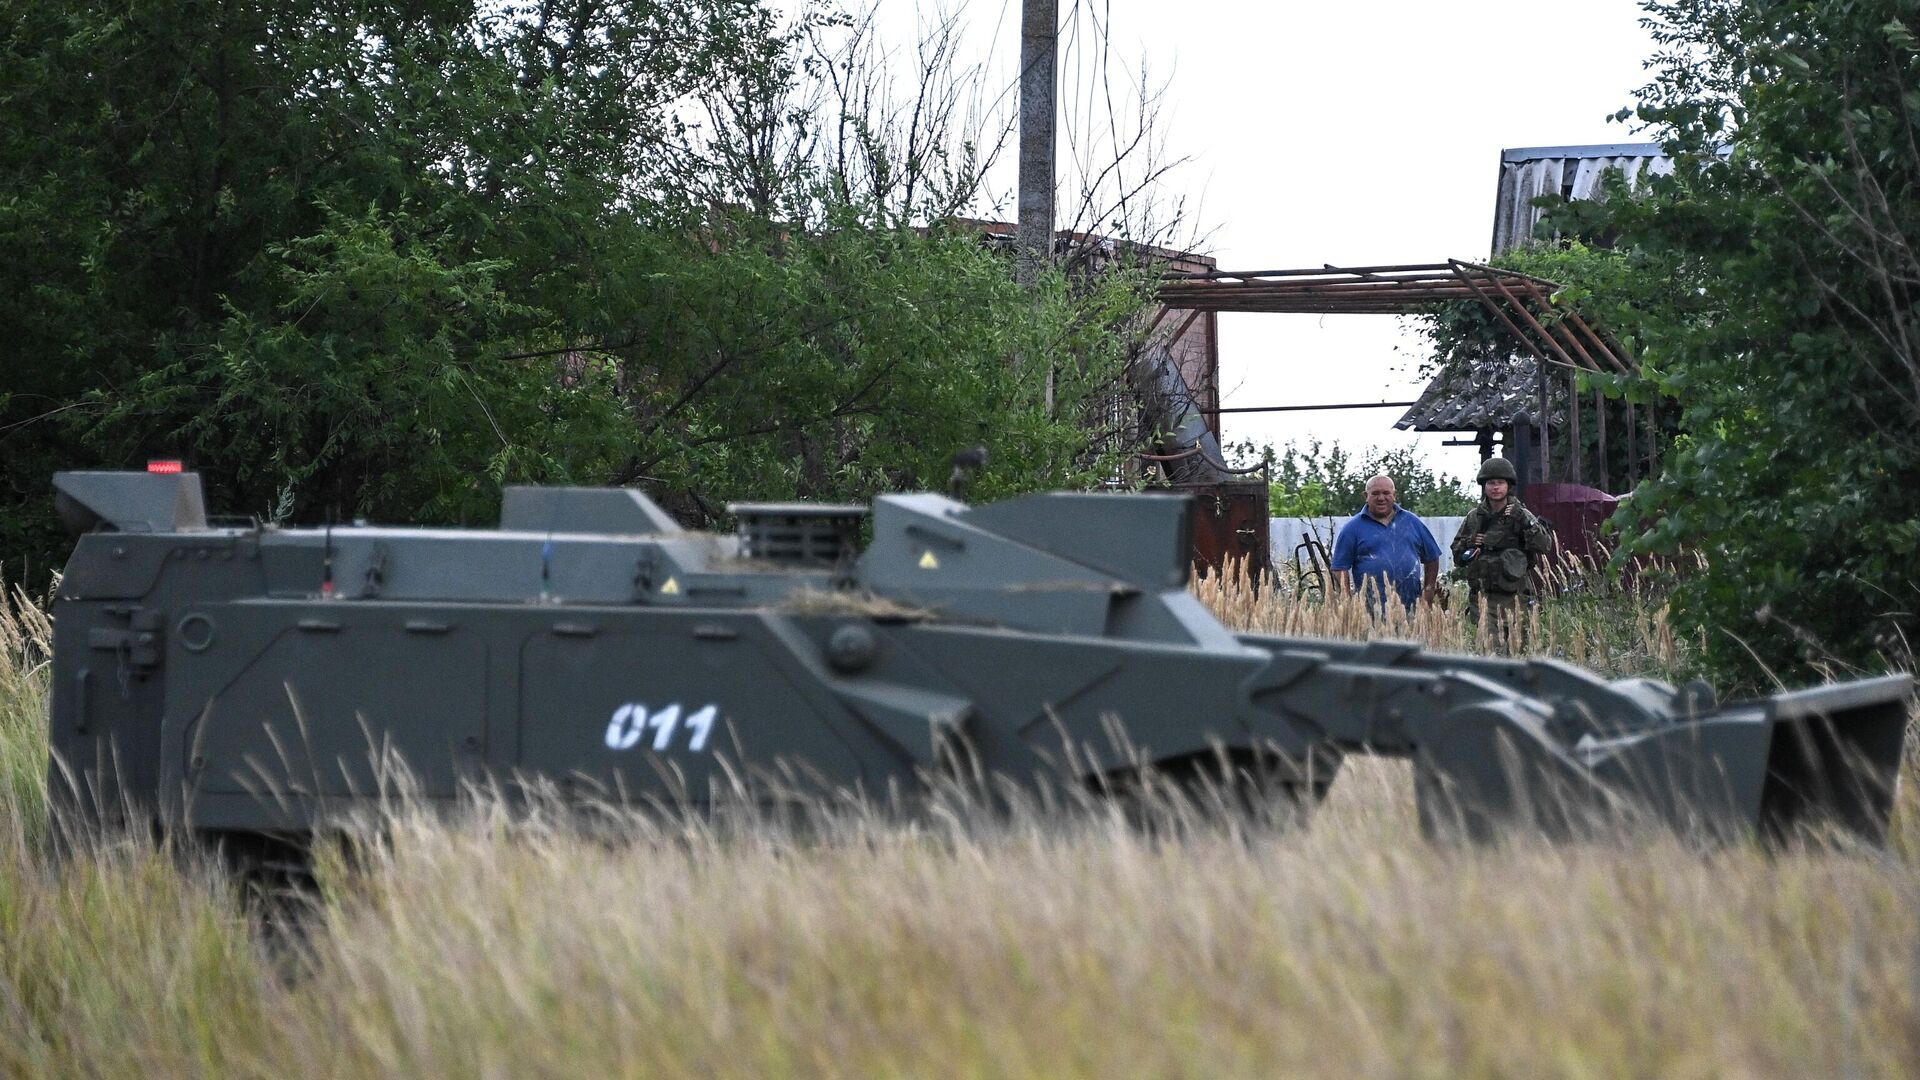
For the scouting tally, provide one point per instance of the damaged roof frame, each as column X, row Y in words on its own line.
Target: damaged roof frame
column 1566, row 341
column 1554, row 334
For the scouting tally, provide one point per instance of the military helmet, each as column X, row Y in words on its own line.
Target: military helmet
column 1497, row 468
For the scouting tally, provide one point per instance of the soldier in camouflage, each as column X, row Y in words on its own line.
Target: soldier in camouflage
column 1497, row 544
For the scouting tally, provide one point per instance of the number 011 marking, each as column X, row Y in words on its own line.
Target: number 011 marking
column 631, row 722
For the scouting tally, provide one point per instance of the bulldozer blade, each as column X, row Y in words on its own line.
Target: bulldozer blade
column 1833, row 760
column 1821, row 763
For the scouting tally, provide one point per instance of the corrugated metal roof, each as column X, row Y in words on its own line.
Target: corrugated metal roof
column 1591, row 150
column 1572, row 172
column 1485, row 396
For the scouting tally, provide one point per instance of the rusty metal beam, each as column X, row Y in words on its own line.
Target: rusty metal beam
column 1306, row 282
column 1306, row 308
column 1213, row 363
column 1405, row 300
column 1306, row 271
column 1607, row 349
column 1546, row 425
column 1406, row 271
column 1316, row 408
column 1546, row 300
column 1512, row 328
column 1521, row 310
column 1400, row 304
column 1281, row 288
column 1312, row 309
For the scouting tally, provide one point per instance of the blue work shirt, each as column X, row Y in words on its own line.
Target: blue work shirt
column 1391, row 554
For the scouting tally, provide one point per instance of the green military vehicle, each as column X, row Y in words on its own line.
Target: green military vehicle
column 260, row 680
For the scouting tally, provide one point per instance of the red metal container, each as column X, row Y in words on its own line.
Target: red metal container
column 1576, row 513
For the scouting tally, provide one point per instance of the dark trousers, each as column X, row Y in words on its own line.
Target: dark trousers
column 1504, row 615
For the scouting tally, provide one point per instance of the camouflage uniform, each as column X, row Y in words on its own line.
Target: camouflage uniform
column 1499, row 573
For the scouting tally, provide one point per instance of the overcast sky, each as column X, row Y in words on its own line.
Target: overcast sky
column 1353, row 134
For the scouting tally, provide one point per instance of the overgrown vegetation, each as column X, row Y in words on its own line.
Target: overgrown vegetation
column 26, row 642
column 1766, row 288
column 377, row 259
column 1801, row 388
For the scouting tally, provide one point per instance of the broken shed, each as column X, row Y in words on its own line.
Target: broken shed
column 1609, row 445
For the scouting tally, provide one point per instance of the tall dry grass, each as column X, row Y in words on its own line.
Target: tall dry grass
column 1584, row 615
column 26, row 649
column 1072, row 943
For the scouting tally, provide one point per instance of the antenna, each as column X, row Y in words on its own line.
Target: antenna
column 546, row 551
column 326, row 562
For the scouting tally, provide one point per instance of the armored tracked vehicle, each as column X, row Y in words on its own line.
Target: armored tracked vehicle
column 222, row 678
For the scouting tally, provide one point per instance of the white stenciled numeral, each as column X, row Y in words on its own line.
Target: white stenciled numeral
column 664, row 722
column 628, row 724
column 631, row 721
column 701, row 724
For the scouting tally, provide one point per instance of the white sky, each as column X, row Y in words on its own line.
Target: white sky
column 1346, row 133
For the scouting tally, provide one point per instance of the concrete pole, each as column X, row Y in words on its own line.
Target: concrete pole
column 1039, row 45
column 1039, row 30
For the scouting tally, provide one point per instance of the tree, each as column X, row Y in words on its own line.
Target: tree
column 295, row 242
column 865, row 394
column 1788, row 238
column 1322, row 481
column 362, row 258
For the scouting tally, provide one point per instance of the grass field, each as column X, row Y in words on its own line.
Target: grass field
column 1072, row 945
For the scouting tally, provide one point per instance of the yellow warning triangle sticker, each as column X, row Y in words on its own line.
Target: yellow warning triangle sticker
column 928, row 562
column 671, row 588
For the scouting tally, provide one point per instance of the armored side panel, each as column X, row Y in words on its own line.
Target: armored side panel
column 113, row 625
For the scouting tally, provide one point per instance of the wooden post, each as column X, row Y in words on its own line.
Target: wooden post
column 1546, row 418
column 1573, row 426
column 1600, row 435
column 1653, row 439
column 1633, row 447
column 1520, row 451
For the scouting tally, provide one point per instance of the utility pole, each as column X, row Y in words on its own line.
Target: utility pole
column 1039, row 31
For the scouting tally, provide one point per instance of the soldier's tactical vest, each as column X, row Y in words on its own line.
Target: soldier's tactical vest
column 1502, row 564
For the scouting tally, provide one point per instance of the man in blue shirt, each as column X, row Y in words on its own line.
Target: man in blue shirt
column 1385, row 547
